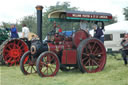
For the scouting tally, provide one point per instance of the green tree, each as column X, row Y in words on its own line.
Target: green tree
column 126, row 13
column 47, row 25
column 5, row 25
column 30, row 21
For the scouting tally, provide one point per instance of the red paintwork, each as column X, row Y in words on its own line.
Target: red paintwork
column 79, row 36
column 59, row 30
column 66, row 44
column 58, row 38
column 55, row 48
column 89, row 16
column 69, row 56
column 13, row 51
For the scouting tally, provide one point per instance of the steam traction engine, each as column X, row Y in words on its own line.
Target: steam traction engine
column 65, row 52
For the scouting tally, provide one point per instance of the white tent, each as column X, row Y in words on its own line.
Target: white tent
column 123, row 25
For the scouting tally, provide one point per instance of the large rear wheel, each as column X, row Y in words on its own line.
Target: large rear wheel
column 91, row 55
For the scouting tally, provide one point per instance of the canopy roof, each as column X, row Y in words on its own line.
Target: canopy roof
column 62, row 15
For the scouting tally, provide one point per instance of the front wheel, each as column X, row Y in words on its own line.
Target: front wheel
column 47, row 64
column 27, row 63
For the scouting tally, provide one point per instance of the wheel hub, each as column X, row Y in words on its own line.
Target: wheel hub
column 15, row 53
column 49, row 65
column 92, row 56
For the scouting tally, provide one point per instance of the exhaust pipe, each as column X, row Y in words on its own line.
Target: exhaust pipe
column 39, row 21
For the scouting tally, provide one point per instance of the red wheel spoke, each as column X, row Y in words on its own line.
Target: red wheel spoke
column 42, row 63
column 87, row 62
column 31, row 69
column 92, row 64
column 28, row 67
column 85, row 54
column 9, row 59
column 51, row 59
column 48, row 58
column 15, row 63
column 51, row 69
column 30, row 60
column 14, row 45
column 22, row 47
column 95, row 50
column 7, row 51
column 93, row 46
column 41, row 66
column 9, row 47
column 95, row 62
column 96, row 58
column 34, row 68
column 85, row 58
column 11, row 64
column 89, row 65
column 47, row 70
column 6, row 57
column 89, row 48
column 86, row 50
column 18, row 42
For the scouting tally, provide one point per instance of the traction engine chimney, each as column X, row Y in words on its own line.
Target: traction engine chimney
column 39, row 21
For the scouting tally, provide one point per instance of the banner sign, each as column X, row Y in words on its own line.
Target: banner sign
column 89, row 16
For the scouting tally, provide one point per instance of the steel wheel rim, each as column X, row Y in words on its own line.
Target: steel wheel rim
column 28, row 64
column 48, row 65
column 93, row 56
column 13, row 51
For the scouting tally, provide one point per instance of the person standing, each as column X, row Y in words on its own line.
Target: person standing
column 83, row 25
column 14, row 33
column 124, row 50
column 98, row 33
column 25, row 31
column 101, row 26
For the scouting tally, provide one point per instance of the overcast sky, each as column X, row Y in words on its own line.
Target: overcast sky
column 14, row 10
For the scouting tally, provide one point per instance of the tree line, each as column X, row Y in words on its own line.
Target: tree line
column 31, row 20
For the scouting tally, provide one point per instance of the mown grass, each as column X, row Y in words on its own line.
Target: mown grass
column 114, row 73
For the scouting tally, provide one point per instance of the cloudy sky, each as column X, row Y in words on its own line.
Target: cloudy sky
column 14, row 10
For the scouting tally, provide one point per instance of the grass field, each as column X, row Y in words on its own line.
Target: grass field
column 115, row 73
